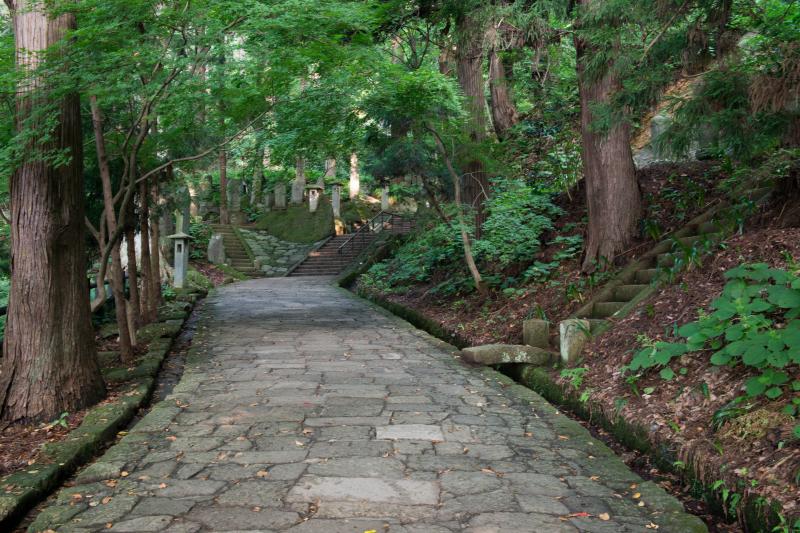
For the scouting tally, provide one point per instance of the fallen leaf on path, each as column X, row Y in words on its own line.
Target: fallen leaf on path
column 636, row 496
column 563, row 437
column 105, row 500
column 604, row 516
column 651, row 526
column 162, row 486
column 262, row 473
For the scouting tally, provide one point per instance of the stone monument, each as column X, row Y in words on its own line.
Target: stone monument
column 280, row 195
column 336, row 200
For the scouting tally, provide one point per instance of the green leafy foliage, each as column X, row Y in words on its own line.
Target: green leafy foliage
column 755, row 322
column 519, row 215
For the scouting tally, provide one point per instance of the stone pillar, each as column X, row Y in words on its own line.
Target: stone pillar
column 385, row 197
column 280, row 195
column 299, row 183
column 658, row 125
column 574, row 333
column 355, row 178
column 235, row 201
column 268, row 200
column 536, row 333
column 336, row 201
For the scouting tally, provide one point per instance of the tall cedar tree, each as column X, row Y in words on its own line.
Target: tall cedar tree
column 49, row 359
column 612, row 191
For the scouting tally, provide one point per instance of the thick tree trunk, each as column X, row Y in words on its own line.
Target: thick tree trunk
column 258, row 175
column 49, row 363
column 224, row 216
column 504, row 113
column 469, row 67
column 612, row 191
column 117, row 277
column 355, row 177
column 146, row 295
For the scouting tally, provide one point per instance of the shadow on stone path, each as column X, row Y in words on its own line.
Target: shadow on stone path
column 304, row 409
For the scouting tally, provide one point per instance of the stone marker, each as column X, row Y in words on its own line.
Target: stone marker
column 268, row 200
column 216, row 250
column 355, row 178
column 536, row 333
column 280, row 195
column 658, row 126
column 385, row 198
column 574, row 334
column 496, row 354
column 336, row 201
column 181, row 258
column 235, row 201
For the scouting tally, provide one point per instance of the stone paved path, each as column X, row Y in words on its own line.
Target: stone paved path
column 304, row 409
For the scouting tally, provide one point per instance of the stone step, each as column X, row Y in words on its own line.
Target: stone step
column 709, row 227
column 626, row 293
column 647, row 275
column 666, row 260
column 606, row 309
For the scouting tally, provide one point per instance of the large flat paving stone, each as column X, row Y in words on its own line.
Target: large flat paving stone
column 360, row 489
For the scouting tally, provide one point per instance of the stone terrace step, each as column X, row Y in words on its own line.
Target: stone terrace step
column 626, row 293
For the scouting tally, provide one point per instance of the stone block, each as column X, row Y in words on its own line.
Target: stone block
column 536, row 333
column 497, row 354
column 216, row 250
column 574, row 334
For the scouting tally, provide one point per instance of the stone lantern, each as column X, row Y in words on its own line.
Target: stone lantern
column 181, row 258
column 314, row 194
column 336, row 200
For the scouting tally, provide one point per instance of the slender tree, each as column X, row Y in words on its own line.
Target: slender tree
column 49, row 361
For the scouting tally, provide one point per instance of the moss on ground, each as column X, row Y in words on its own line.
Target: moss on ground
column 358, row 211
column 231, row 272
column 196, row 280
column 296, row 224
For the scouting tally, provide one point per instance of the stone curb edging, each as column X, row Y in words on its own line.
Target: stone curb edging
column 673, row 515
column 755, row 516
column 23, row 490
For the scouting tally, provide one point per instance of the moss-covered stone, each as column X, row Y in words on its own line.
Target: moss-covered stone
column 54, row 516
column 101, row 471
column 157, row 330
column 116, row 374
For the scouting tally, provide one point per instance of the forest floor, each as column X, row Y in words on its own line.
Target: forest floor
column 755, row 452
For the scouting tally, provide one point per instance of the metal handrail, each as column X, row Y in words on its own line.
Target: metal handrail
column 375, row 225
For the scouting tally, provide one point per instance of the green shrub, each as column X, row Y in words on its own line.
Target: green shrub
column 755, row 322
column 201, row 234
column 518, row 215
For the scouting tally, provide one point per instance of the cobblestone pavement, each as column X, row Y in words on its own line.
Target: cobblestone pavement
column 305, row 409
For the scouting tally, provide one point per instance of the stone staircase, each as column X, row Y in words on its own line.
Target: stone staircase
column 235, row 253
column 639, row 279
column 339, row 252
column 327, row 261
